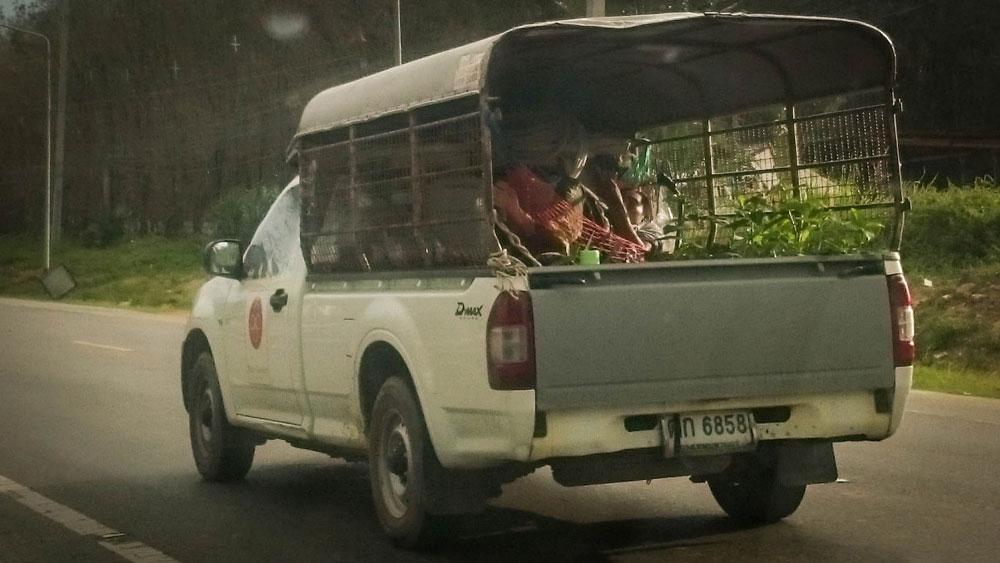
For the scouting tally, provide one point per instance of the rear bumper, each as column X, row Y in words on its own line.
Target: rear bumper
column 853, row 415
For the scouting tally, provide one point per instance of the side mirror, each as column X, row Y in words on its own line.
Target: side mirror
column 224, row 258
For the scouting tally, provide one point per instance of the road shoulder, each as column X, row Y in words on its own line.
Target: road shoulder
column 175, row 317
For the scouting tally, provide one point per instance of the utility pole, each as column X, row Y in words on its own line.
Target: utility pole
column 48, row 141
column 57, row 180
column 399, row 33
column 595, row 8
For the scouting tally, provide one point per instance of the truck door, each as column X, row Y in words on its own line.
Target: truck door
column 262, row 318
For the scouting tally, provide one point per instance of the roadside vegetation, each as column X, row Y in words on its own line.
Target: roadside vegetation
column 951, row 253
column 150, row 273
column 144, row 272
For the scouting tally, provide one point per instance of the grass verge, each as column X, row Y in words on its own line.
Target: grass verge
column 148, row 273
column 947, row 379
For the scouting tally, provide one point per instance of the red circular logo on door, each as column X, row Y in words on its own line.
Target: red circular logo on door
column 256, row 323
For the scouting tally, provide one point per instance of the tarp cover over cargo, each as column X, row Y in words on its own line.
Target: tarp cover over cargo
column 630, row 72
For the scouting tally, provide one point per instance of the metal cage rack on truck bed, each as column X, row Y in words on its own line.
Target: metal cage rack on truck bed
column 397, row 168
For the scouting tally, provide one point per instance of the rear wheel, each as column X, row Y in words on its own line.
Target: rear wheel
column 753, row 494
column 222, row 452
column 400, row 458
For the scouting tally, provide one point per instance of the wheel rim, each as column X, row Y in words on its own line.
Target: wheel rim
column 205, row 417
column 395, row 464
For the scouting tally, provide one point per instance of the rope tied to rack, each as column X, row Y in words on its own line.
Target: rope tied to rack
column 507, row 269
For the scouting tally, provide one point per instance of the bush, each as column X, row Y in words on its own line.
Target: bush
column 953, row 227
column 238, row 212
column 103, row 233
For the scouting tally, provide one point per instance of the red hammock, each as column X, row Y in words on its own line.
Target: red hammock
column 555, row 215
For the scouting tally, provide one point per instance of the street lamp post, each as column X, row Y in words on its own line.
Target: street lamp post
column 397, row 16
column 48, row 141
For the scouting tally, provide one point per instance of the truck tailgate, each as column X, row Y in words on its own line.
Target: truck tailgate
column 654, row 333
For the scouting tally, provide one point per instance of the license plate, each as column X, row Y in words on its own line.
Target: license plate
column 707, row 433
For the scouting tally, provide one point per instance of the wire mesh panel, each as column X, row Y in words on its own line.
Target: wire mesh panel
column 844, row 155
column 843, row 136
column 750, row 149
column 382, row 180
column 846, row 160
column 835, row 153
column 694, row 197
column 328, row 206
column 678, row 149
column 846, row 184
column 772, row 186
column 408, row 198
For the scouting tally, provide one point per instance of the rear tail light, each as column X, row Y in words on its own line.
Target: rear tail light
column 901, row 307
column 510, row 342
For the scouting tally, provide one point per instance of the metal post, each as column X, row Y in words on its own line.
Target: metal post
column 710, row 180
column 58, row 152
column 399, row 34
column 416, row 194
column 595, row 8
column 48, row 142
column 793, row 149
column 353, row 198
column 48, row 155
column 895, row 168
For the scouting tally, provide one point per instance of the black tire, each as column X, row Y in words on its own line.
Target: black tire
column 222, row 452
column 754, row 496
column 399, row 461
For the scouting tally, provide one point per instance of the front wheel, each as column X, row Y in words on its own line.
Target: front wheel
column 400, row 457
column 221, row 451
column 753, row 494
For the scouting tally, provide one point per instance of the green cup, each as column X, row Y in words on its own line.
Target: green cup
column 589, row 257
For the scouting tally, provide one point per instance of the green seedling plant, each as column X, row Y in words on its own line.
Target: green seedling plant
column 790, row 227
column 797, row 227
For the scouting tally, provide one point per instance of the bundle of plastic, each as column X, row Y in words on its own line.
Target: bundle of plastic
column 640, row 167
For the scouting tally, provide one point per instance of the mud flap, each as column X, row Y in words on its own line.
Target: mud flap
column 800, row 462
column 457, row 491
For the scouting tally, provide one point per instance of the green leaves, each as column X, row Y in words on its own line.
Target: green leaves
column 759, row 227
column 794, row 227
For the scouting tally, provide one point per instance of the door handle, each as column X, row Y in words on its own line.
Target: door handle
column 279, row 300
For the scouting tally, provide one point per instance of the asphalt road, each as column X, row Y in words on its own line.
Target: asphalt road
column 93, row 438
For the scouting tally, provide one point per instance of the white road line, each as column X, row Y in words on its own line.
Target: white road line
column 134, row 551
column 137, row 552
column 104, row 346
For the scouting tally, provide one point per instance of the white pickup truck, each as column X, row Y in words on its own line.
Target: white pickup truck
column 377, row 313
